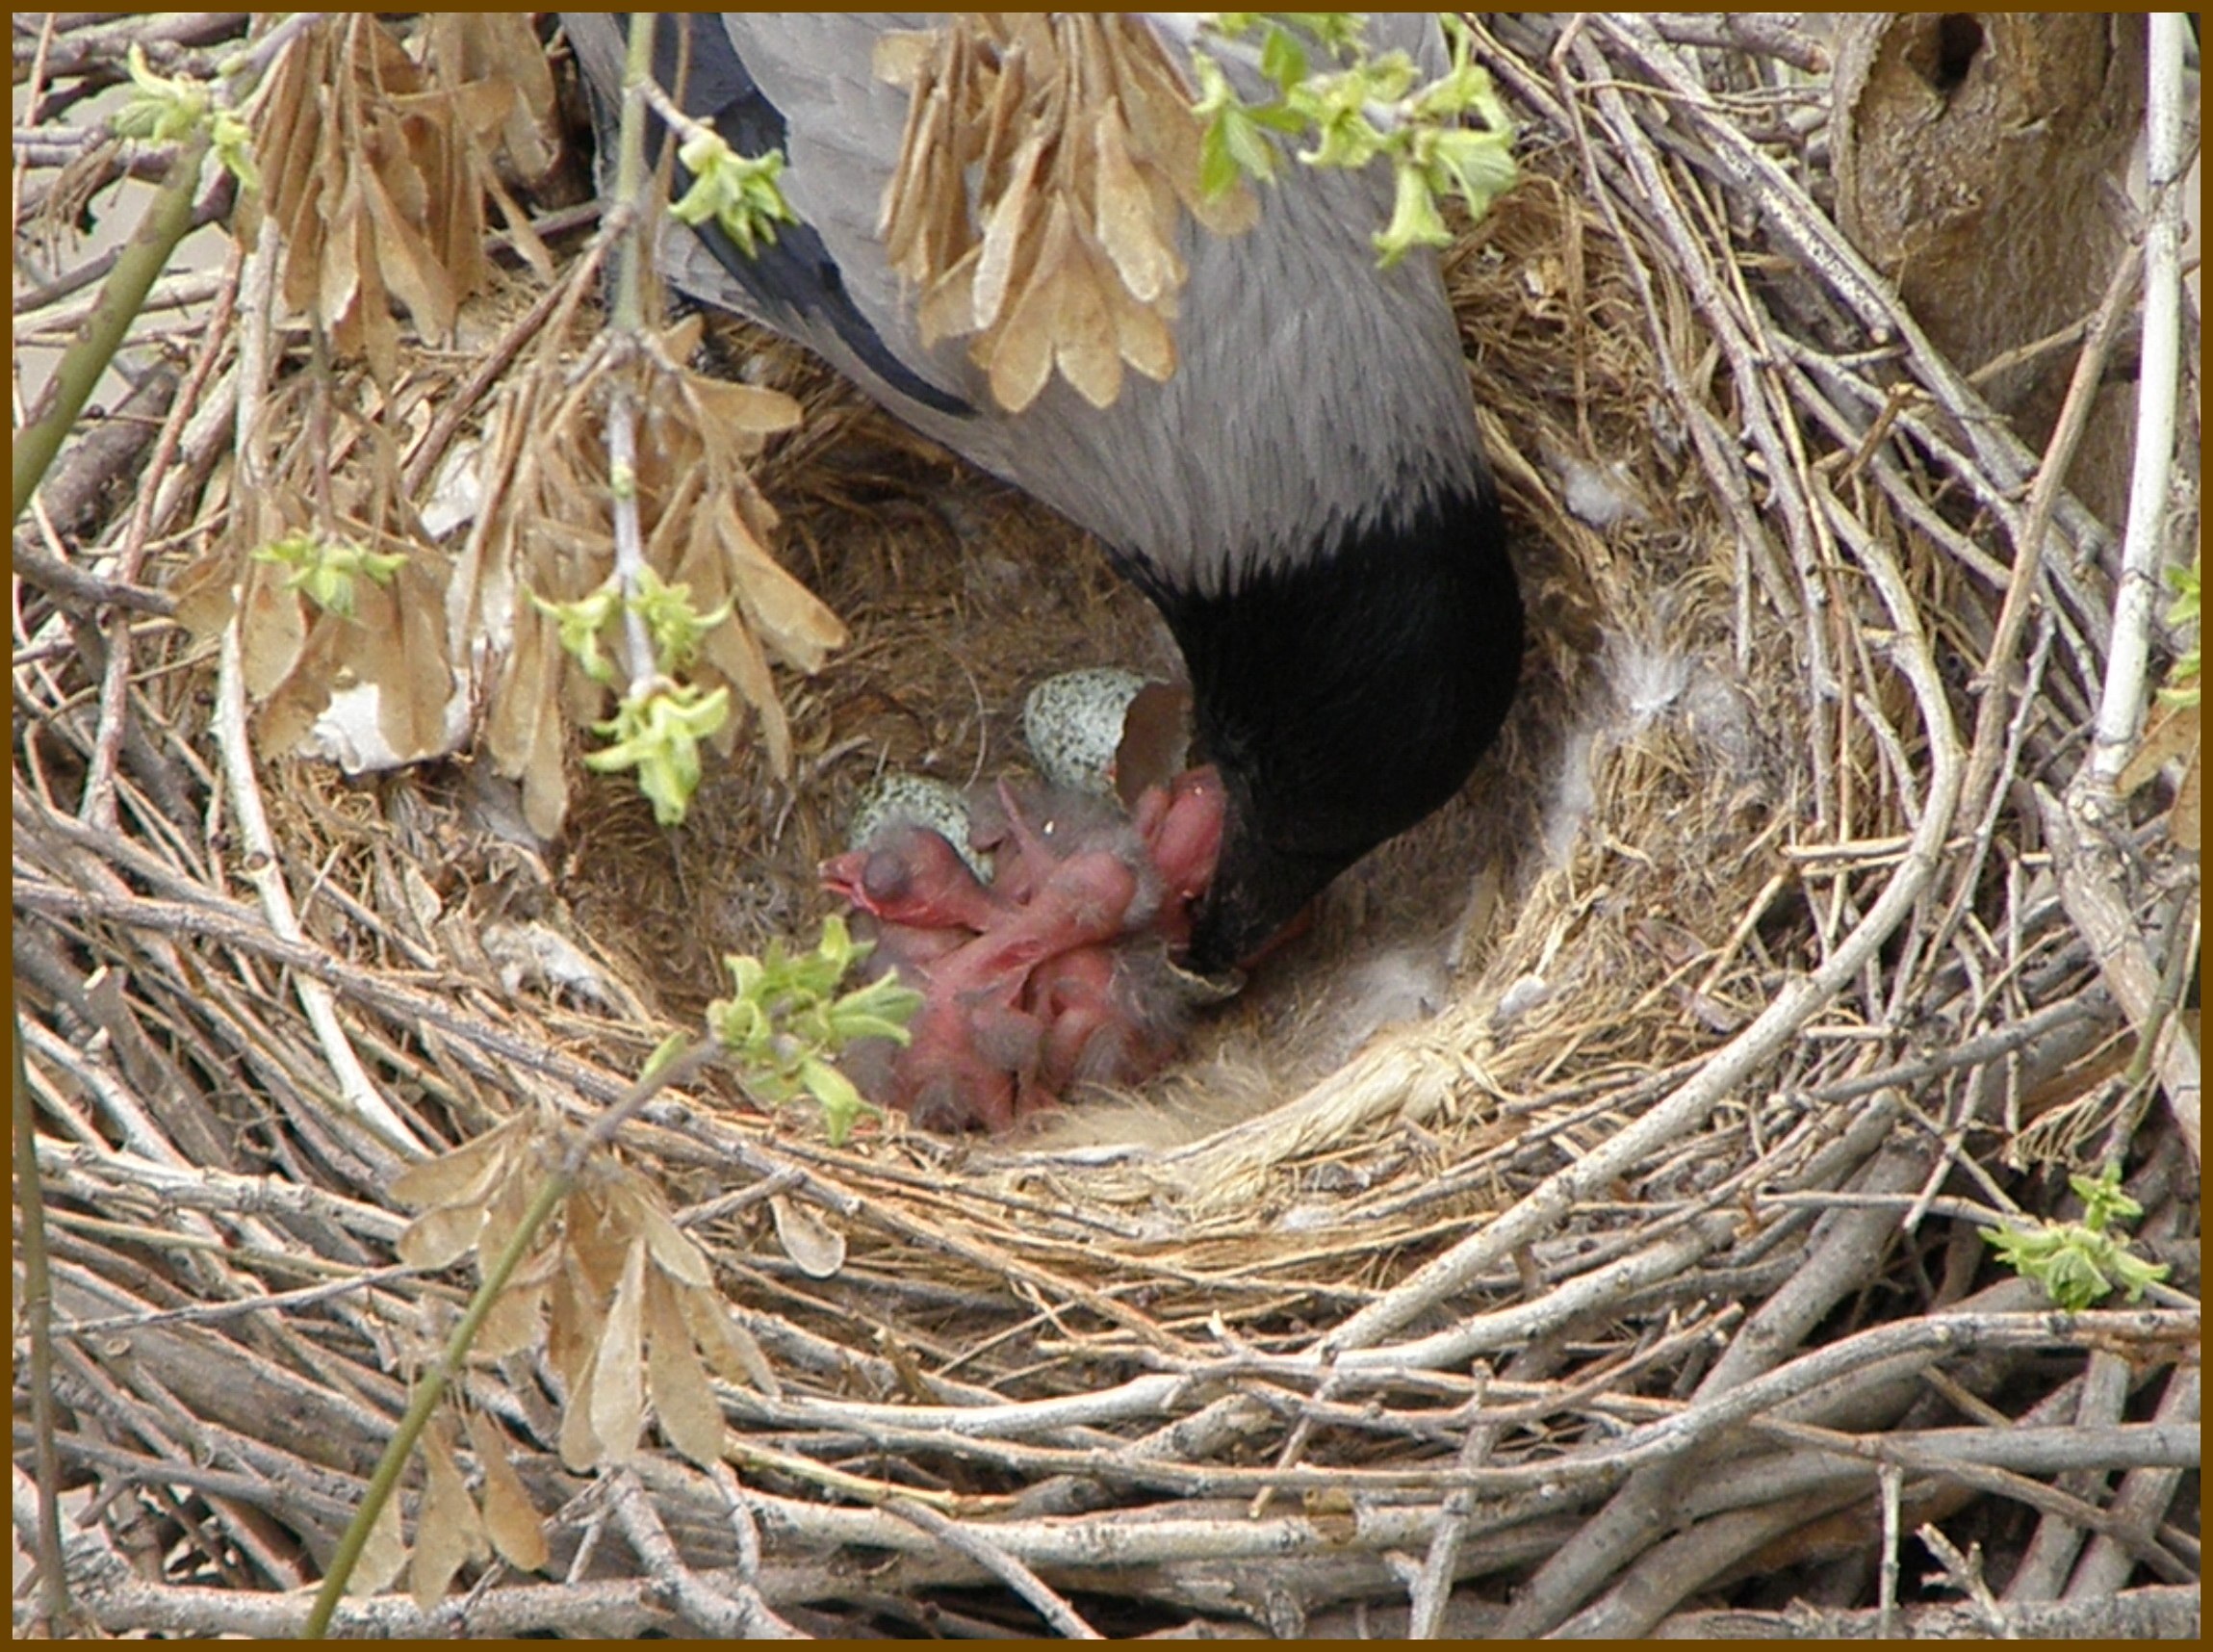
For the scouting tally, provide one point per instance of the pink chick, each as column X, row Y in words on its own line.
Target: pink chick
column 909, row 874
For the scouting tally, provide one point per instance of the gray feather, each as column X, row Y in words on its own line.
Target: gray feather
column 1316, row 397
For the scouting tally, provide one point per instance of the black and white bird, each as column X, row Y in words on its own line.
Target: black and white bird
column 1305, row 499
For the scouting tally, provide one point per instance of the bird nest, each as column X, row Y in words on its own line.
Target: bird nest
column 1584, row 1227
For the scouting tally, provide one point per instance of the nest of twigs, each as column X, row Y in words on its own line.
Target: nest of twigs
column 1585, row 1229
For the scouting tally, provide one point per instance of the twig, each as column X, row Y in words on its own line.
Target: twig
column 264, row 868
column 2144, row 1496
column 430, row 1386
column 1002, row 1566
column 1538, row 1211
column 1837, row 1265
column 739, row 1615
column 2090, row 884
column 38, row 1312
column 167, row 217
column 1432, row 1587
column 1965, row 1573
column 2042, row 1569
column 2143, row 542
column 1773, row 35
column 2155, row 1613
column 66, row 581
column 1980, row 800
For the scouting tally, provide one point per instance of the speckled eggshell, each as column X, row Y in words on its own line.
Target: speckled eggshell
column 892, row 798
column 1073, row 723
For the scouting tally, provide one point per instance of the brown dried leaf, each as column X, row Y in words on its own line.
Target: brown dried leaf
column 580, row 1445
column 1166, row 135
column 948, row 307
column 1142, row 337
column 283, row 720
column 601, row 1227
column 2184, row 821
column 791, row 619
column 545, row 780
column 513, row 1324
column 1128, row 224
column 510, row 1201
column 690, row 1415
column 411, row 704
column 2172, row 732
column 730, row 1351
column 1021, row 356
column 728, row 407
column 901, row 53
column 273, row 630
column 1007, row 234
column 733, row 649
column 618, row 1373
column 1015, row 119
column 337, row 277
column 524, row 732
column 511, row 1520
column 467, row 1173
column 449, row 1532
column 914, row 219
column 439, row 1238
column 410, row 269
column 206, row 595
column 498, row 47
column 382, row 1555
column 673, row 1252
column 815, row 1248
column 1085, row 348
column 573, row 1325
column 369, row 326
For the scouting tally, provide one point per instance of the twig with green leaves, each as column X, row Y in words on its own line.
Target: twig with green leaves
column 1374, row 106
column 198, row 117
column 787, row 1023
column 666, row 1068
column 2080, row 1263
column 784, row 1024
column 661, row 720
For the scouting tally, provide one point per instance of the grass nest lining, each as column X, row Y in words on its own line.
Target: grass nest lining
column 1582, row 1230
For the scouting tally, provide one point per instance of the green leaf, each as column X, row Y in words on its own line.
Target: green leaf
column 1283, row 58
column 658, row 732
column 842, row 1104
column 578, row 625
column 786, row 1024
column 2078, row 1264
column 326, row 571
column 1478, row 166
column 740, row 192
column 677, row 628
column 1234, row 146
column 233, row 141
column 1415, row 221
column 2183, row 685
column 162, row 107
column 1373, row 109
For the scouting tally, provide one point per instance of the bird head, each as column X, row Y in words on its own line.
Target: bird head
column 1343, row 698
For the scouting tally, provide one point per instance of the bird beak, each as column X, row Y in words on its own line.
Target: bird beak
column 1259, row 898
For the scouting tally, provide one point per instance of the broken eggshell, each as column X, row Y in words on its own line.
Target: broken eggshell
column 898, row 799
column 1106, row 730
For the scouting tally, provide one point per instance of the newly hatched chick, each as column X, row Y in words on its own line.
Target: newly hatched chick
column 1054, row 974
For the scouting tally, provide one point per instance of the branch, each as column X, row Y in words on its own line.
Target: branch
column 2121, row 706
